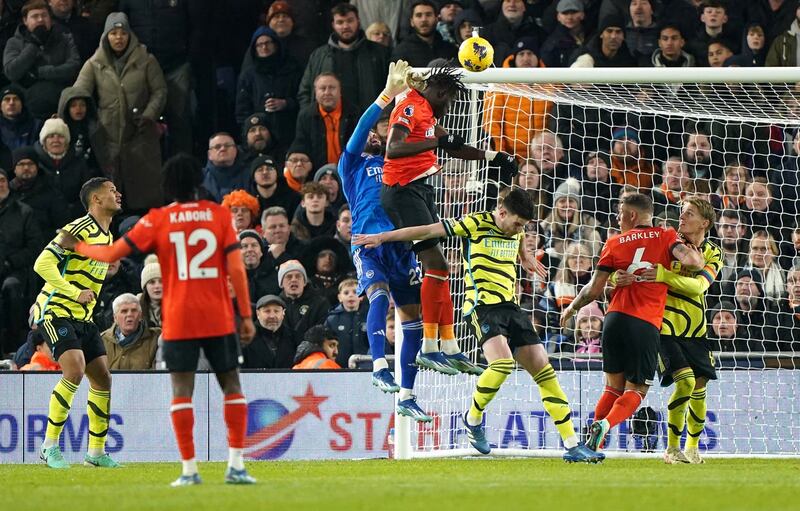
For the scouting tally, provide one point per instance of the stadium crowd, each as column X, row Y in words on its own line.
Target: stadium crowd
column 275, row 88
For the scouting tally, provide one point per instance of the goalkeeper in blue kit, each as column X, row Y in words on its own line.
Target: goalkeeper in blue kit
column 391, row 268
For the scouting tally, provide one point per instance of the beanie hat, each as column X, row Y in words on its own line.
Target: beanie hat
column 592, row 310
column 569, row 188
column 251, row 233
column 116, row 20
column 612, row 20
column 262, row 160
column 149, row 272
column 24, row 153
column 526, row 43
column 629, row 133
column 256, row 119
column 13, row 88
column 327, row 169
column 279, row 7
column 290, row 265
column 54, row 127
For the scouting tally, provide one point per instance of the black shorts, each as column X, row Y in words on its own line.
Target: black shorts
column 506, row 319
column 64, row 334
column 630, row 346
column 223, row 353
column 678, row 352
column 411, row 205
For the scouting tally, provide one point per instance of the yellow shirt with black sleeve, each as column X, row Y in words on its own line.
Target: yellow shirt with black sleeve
column 67, row 273
column 685, row 311
column 490, row 259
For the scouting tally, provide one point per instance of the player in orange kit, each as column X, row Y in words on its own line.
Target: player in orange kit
column 198, row 250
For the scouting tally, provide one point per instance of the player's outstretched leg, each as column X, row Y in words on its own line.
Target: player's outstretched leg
column 406, row 401
column 60, row 403
column 485, row 389
column 696, row 421
column 376, row 334
column 676, row 415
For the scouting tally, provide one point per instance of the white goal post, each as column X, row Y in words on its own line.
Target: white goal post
column 715, row 123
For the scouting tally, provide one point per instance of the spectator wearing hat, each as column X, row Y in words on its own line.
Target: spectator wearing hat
column 566, row 223
column 305, row 306
column 629, row 164
column 21, row 239
column 298, row 167
column 280, row 18
column 131, row 93
column 513, row 119
column 35, row 188
column 262, row 277
column 463, row 23
column 328, row 176
column 131, row 345
column 152, row 292
column 328, row 262
column 319, row 350
column 725, row 333
column 324, row 127
column 176, row 33
column 244, row 209
column 224, row 171
column 66, row 171
column 348, row 321
column 607, row 48
column 269, row 86
column 42, row 58
column 257, row 139
column 511, row 25
column 78, row 109
column 274, row 345
column 423, row 43
column 670, row 52
column 642, row 31
column 448, row 9
column 313, row 218
column 18, row 128
column 588, row 327
column 568, row 35
column 359, row 63
column 270, row 187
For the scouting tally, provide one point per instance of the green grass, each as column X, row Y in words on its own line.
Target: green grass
column 434, row 485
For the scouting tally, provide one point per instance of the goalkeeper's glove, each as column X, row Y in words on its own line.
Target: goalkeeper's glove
column 396, row 78
column 506, row 162
column 451, row 141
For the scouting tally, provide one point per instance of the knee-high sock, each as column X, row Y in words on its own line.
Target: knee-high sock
column 678, row 403
column 412, row 340
column 555, row 402
column 624, row 407
column 487, row 386
column 98, row 408
column 696, row 420
column 606, row 401
column 182, row 413
column 60, row 403
column 376, row 326
column 236, row 420
column 434, row 293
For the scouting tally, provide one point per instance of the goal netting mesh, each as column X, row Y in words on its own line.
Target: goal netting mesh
column 580, row 141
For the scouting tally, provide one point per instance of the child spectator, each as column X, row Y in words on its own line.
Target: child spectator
column 588, row 326
column 719, row 52
column 349, row 322
column 754, row 48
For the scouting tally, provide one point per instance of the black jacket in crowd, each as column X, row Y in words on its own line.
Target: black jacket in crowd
column 304, row 312
column 418, row 52
column 270, row 350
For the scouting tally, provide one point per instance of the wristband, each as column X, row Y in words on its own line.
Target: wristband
column 383, row 100
column 490, row 155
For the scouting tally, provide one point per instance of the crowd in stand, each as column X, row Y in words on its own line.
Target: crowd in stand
column 267, row 93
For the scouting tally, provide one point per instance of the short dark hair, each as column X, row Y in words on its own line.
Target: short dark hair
column 447, row 78
column 327, row 73
column 89, row 187
column 344, row 207
column 33, row 5
column 716, row 4
column 220, row 134
column 671, row 26
column 318, row 334
column 722, row 41
column 638, row 201
column 429, row 3
column 731, row 213
column 520, row 202
column 343, row 9
column 182, row 176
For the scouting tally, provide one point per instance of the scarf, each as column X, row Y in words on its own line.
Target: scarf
column 127, row 340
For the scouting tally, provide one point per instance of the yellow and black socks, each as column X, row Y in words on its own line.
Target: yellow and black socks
column 678, row 403
column 556, row 404
column 486, row 388
column 60, row 403
column 696, row 420
column 98, row 408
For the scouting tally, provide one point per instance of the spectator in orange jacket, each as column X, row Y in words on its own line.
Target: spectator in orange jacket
column 42, row 359
column 514, row 120
column 318, row 350
column 629, row 164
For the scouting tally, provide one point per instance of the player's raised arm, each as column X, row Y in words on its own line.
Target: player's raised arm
column 420, row 232
column 588, row 294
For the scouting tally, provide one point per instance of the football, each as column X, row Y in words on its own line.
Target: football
column 475, row 54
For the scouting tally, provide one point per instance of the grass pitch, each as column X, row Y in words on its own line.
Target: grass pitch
column 435, row 485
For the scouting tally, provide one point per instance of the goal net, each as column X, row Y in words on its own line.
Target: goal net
column 731, row 136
